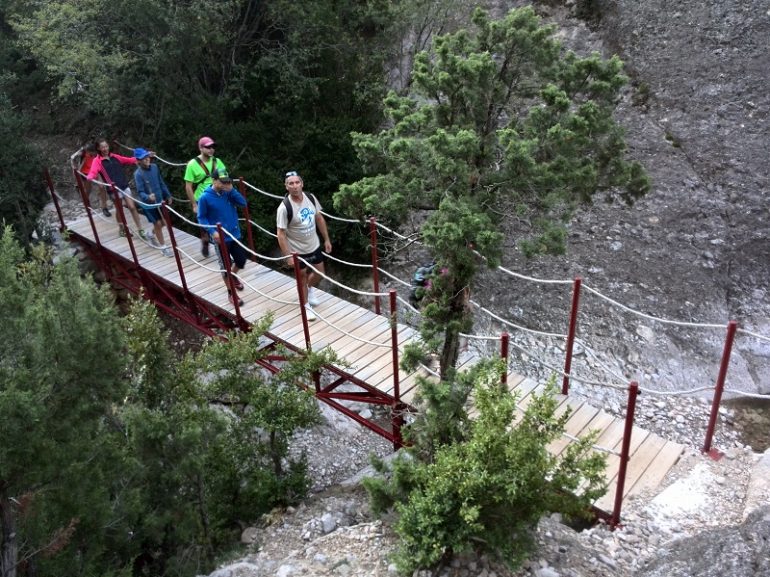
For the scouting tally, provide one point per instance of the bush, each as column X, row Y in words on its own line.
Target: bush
column 486, row 492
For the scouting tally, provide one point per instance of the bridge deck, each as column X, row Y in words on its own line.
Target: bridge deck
column 366, row 363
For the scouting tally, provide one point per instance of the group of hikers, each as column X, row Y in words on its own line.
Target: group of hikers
column 214, row 200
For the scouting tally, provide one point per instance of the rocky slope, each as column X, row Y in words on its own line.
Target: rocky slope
column 695, row 249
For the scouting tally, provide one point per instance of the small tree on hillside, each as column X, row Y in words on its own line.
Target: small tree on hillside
column 487, row 488
column 61, row 375
column 209, row 436
column 500, row 121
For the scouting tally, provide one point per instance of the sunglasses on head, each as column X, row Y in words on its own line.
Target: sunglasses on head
column 291, row 173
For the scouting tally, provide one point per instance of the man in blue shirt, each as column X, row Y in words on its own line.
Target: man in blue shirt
column 219, row 204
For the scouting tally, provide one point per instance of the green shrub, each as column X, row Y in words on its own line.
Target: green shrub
column 487, row 491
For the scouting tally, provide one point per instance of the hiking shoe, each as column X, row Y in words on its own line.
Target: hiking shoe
column 106, row 211
column 205, row 248
column 311, row 316
column 233, row 298
column 143, row 234
column 166, row 251
column 238, row 284
column 312, row 297
column 122, row 230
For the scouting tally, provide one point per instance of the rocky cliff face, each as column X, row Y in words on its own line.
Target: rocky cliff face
column 696, row 248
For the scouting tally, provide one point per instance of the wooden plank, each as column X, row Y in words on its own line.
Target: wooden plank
column 574, row 425
column 639, row 461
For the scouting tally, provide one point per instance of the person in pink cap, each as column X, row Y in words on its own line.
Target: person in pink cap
column 197, row 177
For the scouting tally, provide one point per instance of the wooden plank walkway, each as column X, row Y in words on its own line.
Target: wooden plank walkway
column 363, row 340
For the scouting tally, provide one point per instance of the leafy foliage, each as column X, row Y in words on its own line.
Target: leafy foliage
column 117, row 457
column 499, row 121
column 60, row 376
column 486, row 488
column 22, row 195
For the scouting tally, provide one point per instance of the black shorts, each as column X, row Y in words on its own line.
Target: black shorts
column 315, row 257
column 152, row 214
column 237, row 255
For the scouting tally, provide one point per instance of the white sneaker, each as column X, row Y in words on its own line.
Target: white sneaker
column 312, row 297
column 166, row 251
column 309, row 313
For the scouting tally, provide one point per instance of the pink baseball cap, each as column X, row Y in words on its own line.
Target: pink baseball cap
column 205, row 141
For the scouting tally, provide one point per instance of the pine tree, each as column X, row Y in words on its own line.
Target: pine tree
column 499, row 121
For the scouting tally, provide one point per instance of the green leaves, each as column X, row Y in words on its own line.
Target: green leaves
column 485, row 486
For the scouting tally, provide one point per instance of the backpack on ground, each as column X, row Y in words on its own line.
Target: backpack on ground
column 419, row 283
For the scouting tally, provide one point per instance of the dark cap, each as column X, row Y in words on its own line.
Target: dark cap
column 221, row 175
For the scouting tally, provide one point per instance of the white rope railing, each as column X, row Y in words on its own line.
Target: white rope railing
column 651, row 317
column 494, row 316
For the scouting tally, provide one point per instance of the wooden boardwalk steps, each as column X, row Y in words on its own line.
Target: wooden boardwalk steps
column 363, row 340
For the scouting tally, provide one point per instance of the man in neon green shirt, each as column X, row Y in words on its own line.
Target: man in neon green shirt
column 197, row 177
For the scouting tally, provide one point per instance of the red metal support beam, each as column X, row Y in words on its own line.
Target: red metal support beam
column 571, row 335
column 732, row 326
column 301, row 295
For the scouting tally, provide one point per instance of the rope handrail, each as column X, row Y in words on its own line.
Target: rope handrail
column 515, row 326
column 531, row 278
column 504, row 270
column 753, row 334
column 651, row 317
column 349, row 334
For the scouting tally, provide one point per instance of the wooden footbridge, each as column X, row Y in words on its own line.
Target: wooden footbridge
column 191, row 289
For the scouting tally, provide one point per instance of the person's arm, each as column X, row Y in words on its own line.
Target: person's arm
column 283, row 240
column 123, row 159
column 96, row 166
column 203, row 218
column 320, row 223
column 236, row 197
column 141, row 188
column 189, row 179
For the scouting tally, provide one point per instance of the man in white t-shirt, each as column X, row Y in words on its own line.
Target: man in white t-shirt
column 300, row 235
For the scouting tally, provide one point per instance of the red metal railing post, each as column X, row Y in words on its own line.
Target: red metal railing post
column 172, row 239
column 54, row 198
column 301, row 295
column 118, row 199
column 571, row 334
column 87, row 206
column 732, row 326
column 375, row 263
column 396, row 419
column 633, row 391
column 504, row 342
column 249, row 235
column 229, row 278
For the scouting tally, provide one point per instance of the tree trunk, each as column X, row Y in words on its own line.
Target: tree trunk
column 9, row 547
column 459, row 312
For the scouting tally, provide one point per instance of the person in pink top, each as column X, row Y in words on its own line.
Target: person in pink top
column 108, row 167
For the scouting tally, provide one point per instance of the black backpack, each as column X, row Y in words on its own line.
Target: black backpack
column 290, row 208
